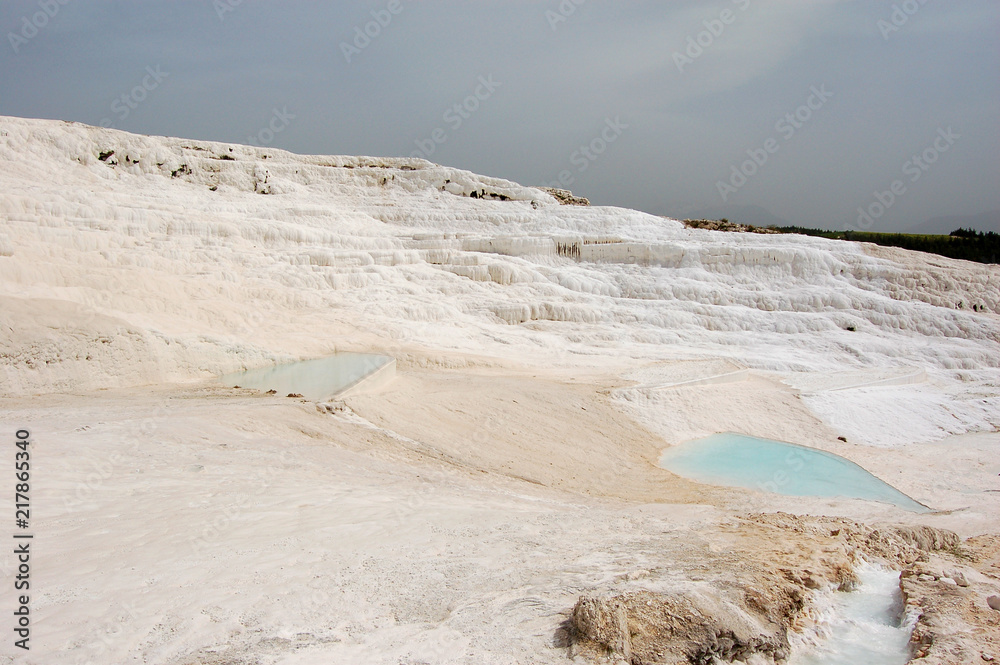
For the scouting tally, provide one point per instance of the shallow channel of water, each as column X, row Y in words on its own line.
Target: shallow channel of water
column 861, row 627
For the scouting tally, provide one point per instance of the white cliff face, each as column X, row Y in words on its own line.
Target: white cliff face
column 130, row 259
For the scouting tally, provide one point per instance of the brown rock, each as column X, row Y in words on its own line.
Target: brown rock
column 703, row 626
column 565, row 197
column 603, row 620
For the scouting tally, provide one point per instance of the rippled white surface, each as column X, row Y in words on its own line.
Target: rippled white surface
column 191, row 258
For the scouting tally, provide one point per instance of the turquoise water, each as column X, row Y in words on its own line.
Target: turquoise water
column 784, row 468
column 314, row 379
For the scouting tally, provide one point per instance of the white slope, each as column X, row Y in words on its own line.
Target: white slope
column 183, row 524
column 175, row 260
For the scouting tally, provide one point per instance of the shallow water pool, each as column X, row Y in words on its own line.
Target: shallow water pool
column 783, row 468
column 314, row 379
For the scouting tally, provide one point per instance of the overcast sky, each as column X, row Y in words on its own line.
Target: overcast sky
column 660, row 106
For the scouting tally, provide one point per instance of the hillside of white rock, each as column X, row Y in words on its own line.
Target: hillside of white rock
column 546, row 354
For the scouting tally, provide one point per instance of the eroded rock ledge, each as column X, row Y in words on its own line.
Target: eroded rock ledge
column 566, row 197
column 748, row 605
column 726, row 225
column 685, row 627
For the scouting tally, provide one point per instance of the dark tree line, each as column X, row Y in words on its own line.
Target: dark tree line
column 967, row 244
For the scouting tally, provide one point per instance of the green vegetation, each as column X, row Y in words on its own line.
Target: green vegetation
column 965, row 244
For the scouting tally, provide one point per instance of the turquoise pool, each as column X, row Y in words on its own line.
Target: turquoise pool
column 783, row 468
column 314, row 379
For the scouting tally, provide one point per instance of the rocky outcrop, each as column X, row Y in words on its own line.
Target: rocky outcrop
column 927, row 539
column 726, row 225
column 690, row 627
column 752, row 602
column 950, row 594
column 565, row 197
column 900, row 545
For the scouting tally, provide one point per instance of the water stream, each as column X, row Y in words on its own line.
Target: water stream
column 861, row 627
